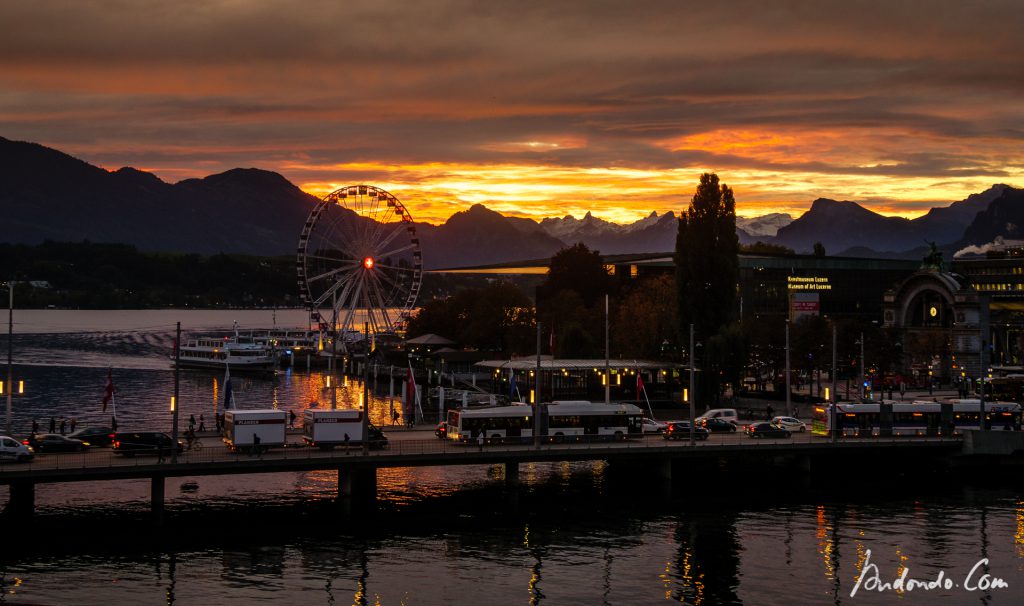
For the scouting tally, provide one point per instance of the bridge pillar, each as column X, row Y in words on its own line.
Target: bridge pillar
column 23, row 499
column 357, row 484
column 512, row 473
column 156, row 490
column 664, row 470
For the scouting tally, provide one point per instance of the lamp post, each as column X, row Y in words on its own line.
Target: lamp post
column 693, row 393
column 366, row 392
column 10, row 354
column 174, row 400
column 789, row 406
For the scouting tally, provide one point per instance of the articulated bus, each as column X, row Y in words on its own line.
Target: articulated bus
column 560, row 421
column 915, row 418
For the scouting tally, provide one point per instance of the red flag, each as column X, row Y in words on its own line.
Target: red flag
column 110, row 389
column 639, row 385
column 410, row 394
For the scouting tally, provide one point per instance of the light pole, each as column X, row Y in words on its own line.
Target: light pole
column 9, row 386
column 693, row 394
column 834, row 409
column 860, row 387
column 366, row 392
column 174, row 401
column 789, row 406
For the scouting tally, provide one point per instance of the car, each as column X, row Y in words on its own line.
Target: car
column 54, row 442
column 790, row 423
column 716, row 424
column 728, row 414
column 94, row 436
column 11, row 449
column 653, row 426
column 442, row 430
column 680, row 430
column 764, row 429
column 144, row 442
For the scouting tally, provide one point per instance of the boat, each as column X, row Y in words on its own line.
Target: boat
column 220, row 353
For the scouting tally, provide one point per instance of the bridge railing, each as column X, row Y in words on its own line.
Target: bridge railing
column 215, row 452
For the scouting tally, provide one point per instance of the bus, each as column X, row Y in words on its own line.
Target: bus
column 560, row 421
column 915, row 418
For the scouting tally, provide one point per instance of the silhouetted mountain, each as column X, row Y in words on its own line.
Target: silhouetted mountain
column 480, row 236
column 848, row 225
column 650, row 234
column 48, row 195
column 1004, row 218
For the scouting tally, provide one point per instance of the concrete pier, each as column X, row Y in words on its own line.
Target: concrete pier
column 23, row 499
column 156, row 489
column 512, row 473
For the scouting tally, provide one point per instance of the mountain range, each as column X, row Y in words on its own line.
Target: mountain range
column 48, row 195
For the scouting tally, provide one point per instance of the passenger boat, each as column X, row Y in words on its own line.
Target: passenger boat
column 218, row 354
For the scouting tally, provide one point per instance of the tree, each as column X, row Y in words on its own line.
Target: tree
column 645, row 317
column 819, row 249
column 497, row 317
column 763, row 248
column 579, row 269
column 707, row 268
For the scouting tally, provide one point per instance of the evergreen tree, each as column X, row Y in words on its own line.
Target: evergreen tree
column 707, row 268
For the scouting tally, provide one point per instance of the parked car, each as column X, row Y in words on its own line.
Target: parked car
column 765, row 429
column 144, row 442
column 94, row 436
column 680, row 430
column 653, row 426
column 790, row 423
column 442, row 430
column 13, row 450
column 716, row 424
column 54, row 442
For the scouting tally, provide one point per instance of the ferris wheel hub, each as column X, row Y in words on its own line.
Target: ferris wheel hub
column 368, row 262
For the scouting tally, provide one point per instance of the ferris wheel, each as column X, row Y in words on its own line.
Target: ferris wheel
column 359, row 260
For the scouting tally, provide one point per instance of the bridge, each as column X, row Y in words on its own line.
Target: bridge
column 357, row 470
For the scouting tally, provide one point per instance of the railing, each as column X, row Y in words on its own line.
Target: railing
column 213, row 452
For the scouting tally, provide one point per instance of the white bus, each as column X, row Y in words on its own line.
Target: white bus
column 560, row 421
column 916, row 418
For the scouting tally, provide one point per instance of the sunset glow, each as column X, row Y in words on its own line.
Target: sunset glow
column 533, row 110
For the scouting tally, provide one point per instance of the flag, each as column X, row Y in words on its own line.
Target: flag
column 639, row 385
column 511, row 385
column 551, row 341
column 229, row 396
column 109, row 394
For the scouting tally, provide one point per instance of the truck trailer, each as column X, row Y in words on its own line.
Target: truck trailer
column 328, row 428
column 242, row 426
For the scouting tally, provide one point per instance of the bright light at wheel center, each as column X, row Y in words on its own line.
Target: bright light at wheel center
column 368, row 262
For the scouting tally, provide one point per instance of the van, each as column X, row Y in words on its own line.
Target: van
column 143, row 442
column 13, row 450
column 728, row 414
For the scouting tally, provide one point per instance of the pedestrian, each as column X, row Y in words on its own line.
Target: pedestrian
column 53, row 425
column 394, row 417
column 770, row 411
column 113, row 424
column 35, row 426
column 256, row 445
column 202, row 423
column 63, row 426
column 291, row 418
column 192, row 421
column 346, row 443
column 74, row 422
column 480, row 440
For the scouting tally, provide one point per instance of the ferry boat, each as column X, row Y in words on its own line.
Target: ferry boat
column 218, row 354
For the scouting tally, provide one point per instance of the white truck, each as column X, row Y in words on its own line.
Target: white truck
column 327, row 428
column 13, row 450
column 242, row 426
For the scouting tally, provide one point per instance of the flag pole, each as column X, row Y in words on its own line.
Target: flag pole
column 174, row 409
column 366, row 392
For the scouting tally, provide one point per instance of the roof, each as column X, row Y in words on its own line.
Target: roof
column 547, row 363
column 430, row 339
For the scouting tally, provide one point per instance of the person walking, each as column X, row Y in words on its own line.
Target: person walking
column 480, row 441
column 770, row 412
column 113, row 424
column 256, row 445
column 35, row 426
column 63, row 426
column 74, row 423
column 53, row 425
column 192, row 422
column 291, row 419
column 202, row 423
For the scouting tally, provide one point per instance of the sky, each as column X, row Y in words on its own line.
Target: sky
column 534, row 108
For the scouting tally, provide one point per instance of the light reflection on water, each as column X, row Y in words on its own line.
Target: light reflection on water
column 574, row 533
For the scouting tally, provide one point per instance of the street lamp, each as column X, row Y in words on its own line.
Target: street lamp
column 9, row 386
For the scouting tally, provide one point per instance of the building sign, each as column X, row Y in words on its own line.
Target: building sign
column 803, row 304
column 798, row 283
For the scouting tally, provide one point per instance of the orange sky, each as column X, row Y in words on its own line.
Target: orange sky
column 534, row 108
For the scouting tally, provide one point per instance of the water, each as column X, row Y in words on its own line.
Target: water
column 577, row 533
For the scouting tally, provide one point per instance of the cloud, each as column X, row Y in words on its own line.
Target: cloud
column 886, row 101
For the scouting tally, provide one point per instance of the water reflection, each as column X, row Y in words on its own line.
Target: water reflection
column 707, row 559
